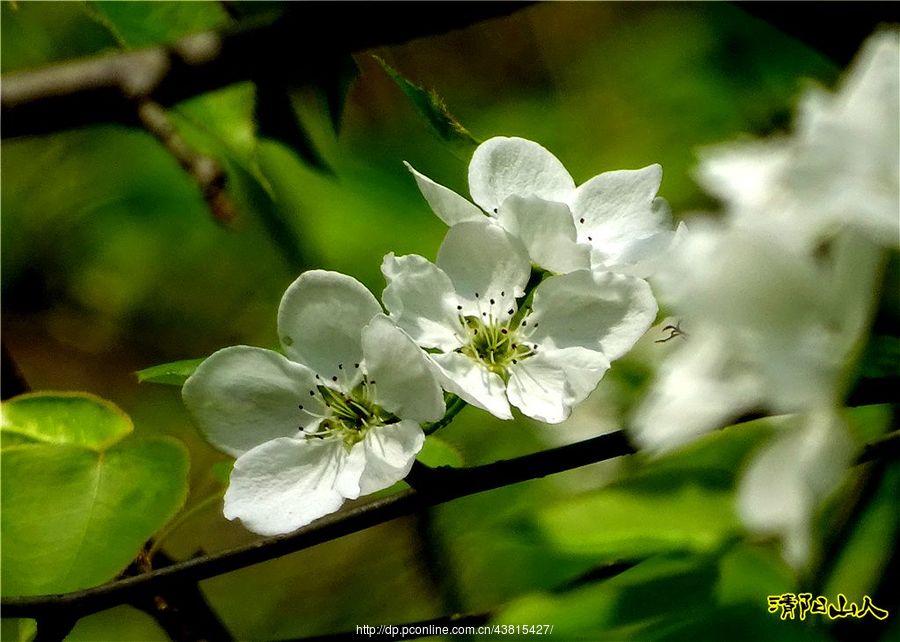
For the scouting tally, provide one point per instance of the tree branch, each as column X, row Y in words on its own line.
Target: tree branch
column 104, row 88
column 433, row 486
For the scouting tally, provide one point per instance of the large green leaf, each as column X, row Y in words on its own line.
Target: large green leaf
column 670, row 598
column 76, row 419
column 681, row 502
column 123, row 624
column 624, row 523
column 78, row 502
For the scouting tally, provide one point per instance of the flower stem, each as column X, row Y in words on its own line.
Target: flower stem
column 454, row 405
column 172, row 526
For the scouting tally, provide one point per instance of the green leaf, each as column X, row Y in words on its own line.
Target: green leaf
column 18, row 629
column 66, row 418
column 173, row 374
column 861, row 561
column 437, row 452
column 683, row 501
column 278, row 120
column 141, row 24
column 337, row 76
column 624, row 523
column 625, row 604
column 123, row 623
column 432, row 107
column 78, row 502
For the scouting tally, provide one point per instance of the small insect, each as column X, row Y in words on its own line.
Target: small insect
column 674, row 331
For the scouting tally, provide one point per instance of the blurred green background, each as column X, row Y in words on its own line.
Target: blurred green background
column 111, row 262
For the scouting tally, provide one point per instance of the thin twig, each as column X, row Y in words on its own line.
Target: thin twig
column 204, row 170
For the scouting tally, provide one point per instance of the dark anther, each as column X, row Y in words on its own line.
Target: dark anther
column 514, row 361
column 484, row 314
column 495, row 210
column 536, row 325
column 300, row 406
column 356, row 365
column 581, row 220
column 312, row 393
column 459, row 307
column 503, row 331
column 372, row 382
column 590, row 238
column 502, row 293
column 492, row 302
column 476, row 295
column 524, row 323
column 514, row 346
column 334, row 378
column 340, row 366
column 510, row 311
column 317, row 376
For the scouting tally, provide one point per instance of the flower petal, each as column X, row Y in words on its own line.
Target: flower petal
column 613, row 209
column 449, row 206
column 699, row 388
column 598, row 311
column 422, row 301
column 537, row 387
column 484, row 262
column 390, row 452
column 286, row 483
column 548, row 232
column 502, row 167
column 241, row 397
column 642, row 258
column 404, row 382
column 320, row 319
column 473, row 383
column 548, row 385
column 784, row 484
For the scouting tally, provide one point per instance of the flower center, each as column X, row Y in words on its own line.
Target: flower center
column 350, row 414
column 495, row 344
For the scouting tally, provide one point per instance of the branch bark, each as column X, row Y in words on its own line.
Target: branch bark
column 432, row 486
column 104, row 88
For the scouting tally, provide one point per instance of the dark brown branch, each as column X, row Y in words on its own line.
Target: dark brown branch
column 434, row 486
column 104, row 88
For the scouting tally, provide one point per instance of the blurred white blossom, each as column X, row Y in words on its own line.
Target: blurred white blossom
column 776, row 299
column 839, row 167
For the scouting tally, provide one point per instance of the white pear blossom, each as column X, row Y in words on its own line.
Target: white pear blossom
column 840, row 166
column 543, row 358
column 336, row 418
column 614, row 221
